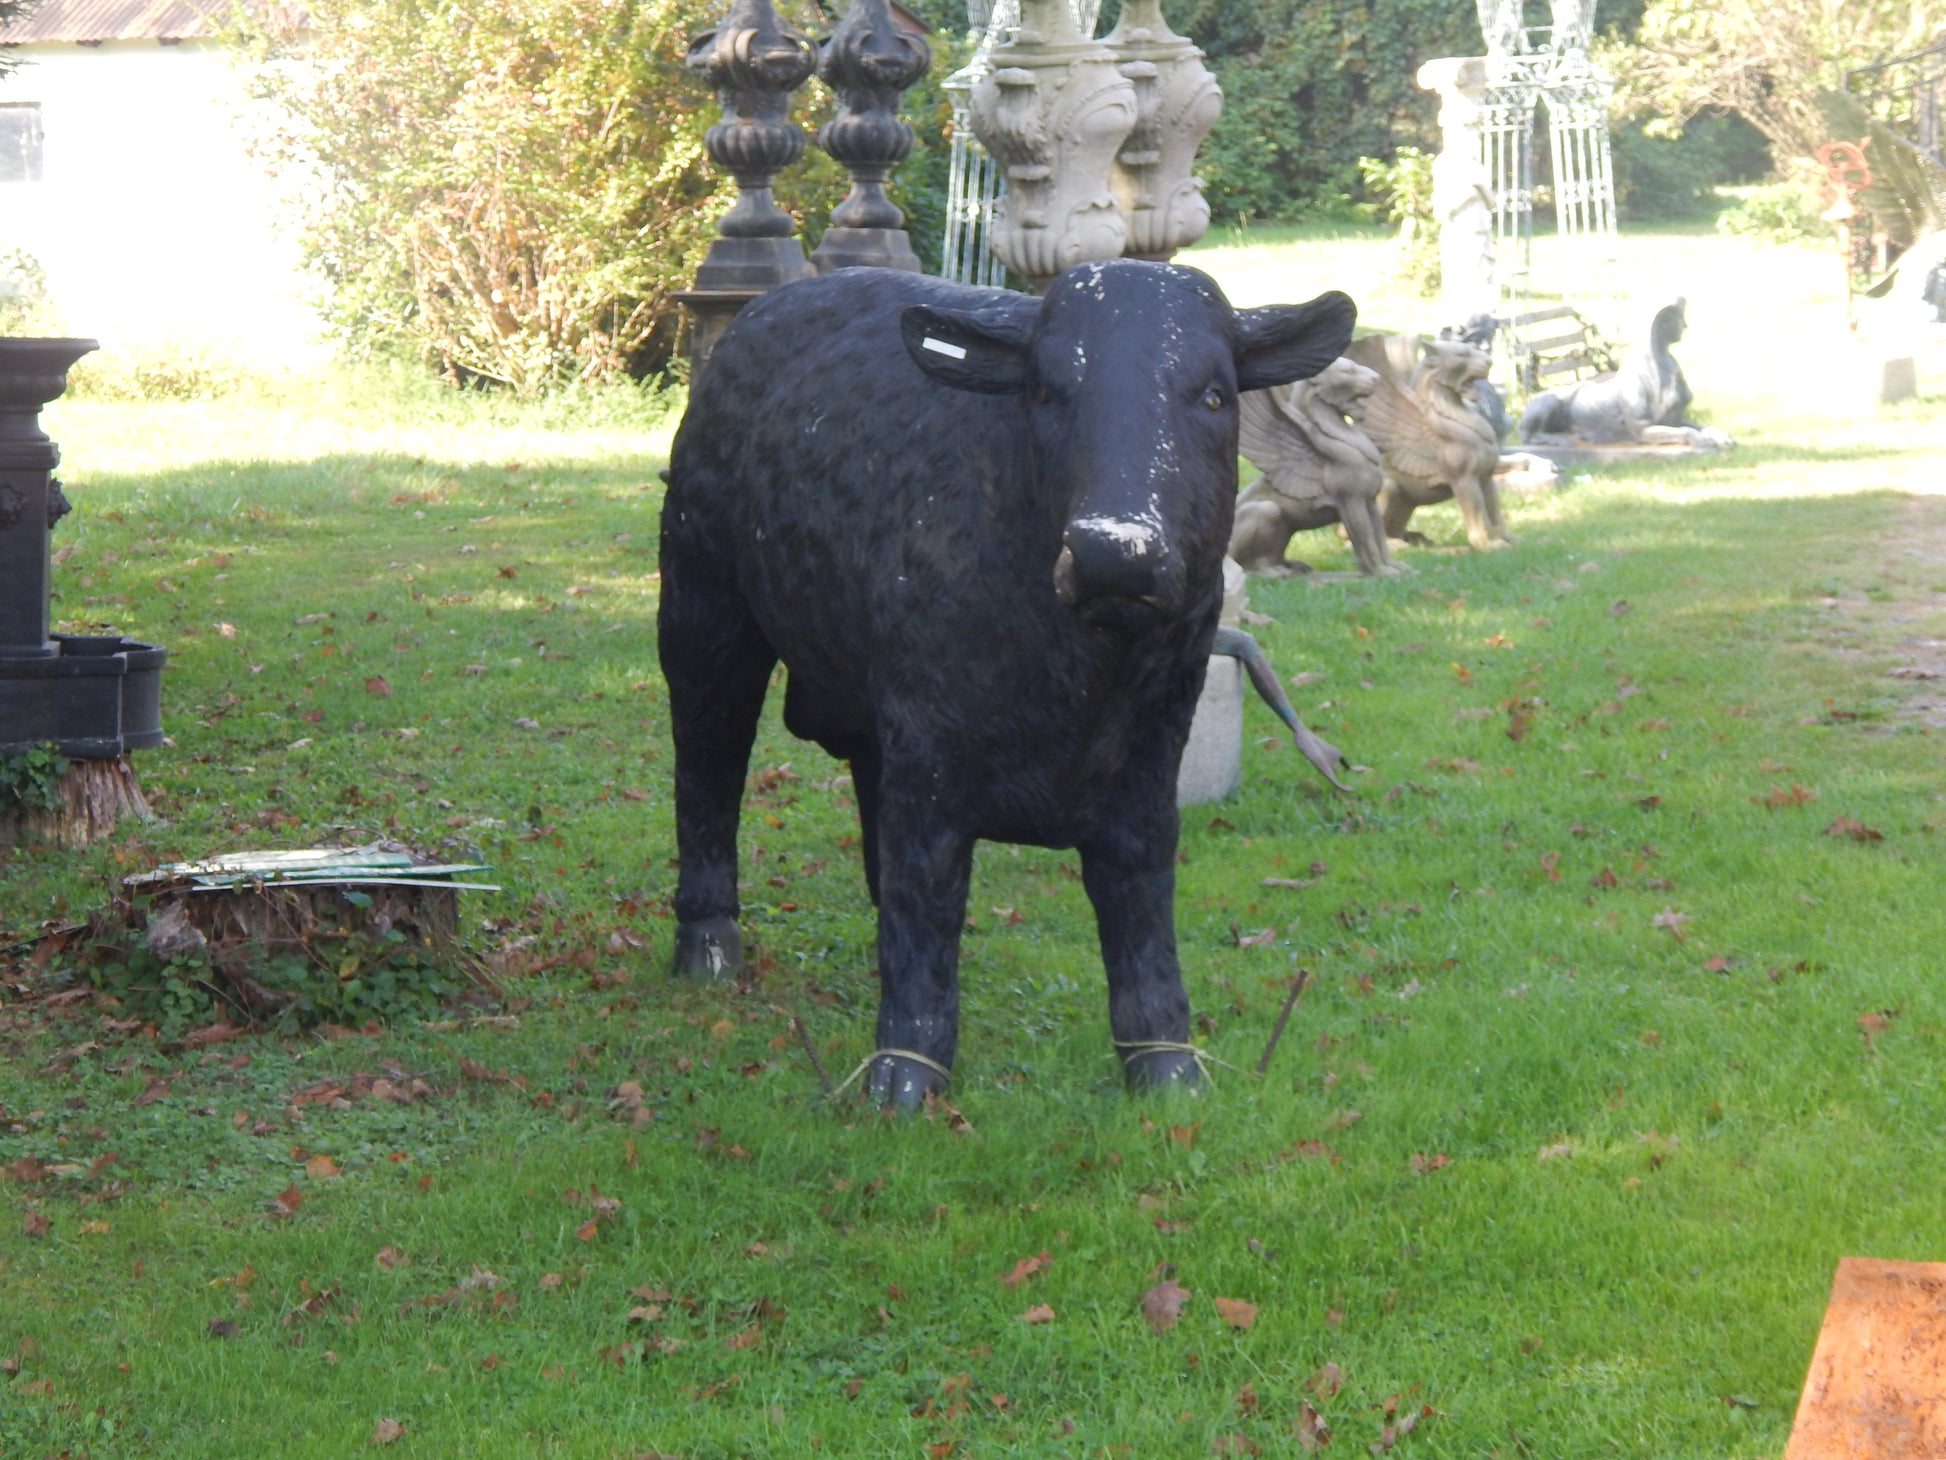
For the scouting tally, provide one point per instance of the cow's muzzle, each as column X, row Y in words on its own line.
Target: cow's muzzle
column 1107, row 561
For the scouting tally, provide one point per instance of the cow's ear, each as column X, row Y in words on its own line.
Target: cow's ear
column 982, row 349
column 1285, row 342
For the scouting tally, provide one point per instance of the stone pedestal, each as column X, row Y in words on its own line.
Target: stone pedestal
column 1177, row 102
column 1054, row 111
column 1463, row 201
column 1212, row 762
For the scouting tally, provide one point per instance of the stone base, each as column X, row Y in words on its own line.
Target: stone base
column 751, row 264
column 1526, row 473
column 1212, row 762
column 864, row 248
column 1616, row 455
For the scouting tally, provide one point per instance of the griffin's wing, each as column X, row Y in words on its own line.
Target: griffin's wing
column 1907, row 194
column 1270, row 439
column 1399, row 427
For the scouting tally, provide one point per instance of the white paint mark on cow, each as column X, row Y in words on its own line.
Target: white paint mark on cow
column 1141, row 535
column 942, row 347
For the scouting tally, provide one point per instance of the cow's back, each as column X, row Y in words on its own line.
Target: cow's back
column 877, row 521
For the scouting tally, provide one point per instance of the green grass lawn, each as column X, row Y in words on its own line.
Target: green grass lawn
column 1610, row 1049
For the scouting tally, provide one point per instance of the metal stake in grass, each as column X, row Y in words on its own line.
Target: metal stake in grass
column 804, row 1038
column 1283, row 1017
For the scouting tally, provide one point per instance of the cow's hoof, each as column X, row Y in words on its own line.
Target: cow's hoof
column 898, row 1083
column 711, row 949
column 1155, row 1069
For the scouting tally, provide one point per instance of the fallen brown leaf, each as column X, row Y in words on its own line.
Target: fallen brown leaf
column 1025, row 1268
column 1236, row 1312
column 1162, row 1306
column 1039, row 1313
column 1852, row 827
column 34, row 1225
column 1312, row 1432
column 320, row 1167
column 386, row 1431
column 286, row 1202
column 1326, row 1382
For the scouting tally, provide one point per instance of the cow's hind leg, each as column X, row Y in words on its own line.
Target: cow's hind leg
column 1129, row 869
column 717, row 663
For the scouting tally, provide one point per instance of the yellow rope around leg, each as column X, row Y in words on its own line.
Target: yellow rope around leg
column 1204, row 1059
column 905, row 1054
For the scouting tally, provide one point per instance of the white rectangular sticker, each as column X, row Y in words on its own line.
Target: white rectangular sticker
column 957, row 352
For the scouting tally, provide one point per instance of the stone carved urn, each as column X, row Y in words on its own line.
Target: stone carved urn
column 1053, row 112
column 1177, row 102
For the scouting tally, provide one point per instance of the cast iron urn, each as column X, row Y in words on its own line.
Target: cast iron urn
column 94, row 697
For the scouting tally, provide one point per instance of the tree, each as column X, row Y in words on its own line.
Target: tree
column 10, row 11
column 511, row 188
column 1766, row 60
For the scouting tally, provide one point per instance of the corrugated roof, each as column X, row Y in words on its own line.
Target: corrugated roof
column 115, row 20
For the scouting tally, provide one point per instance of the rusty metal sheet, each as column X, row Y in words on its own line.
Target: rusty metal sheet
column 1876, row 1389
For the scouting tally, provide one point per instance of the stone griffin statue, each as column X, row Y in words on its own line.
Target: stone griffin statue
column 1642, row 402
column 1433, row 443
column 1318, row 468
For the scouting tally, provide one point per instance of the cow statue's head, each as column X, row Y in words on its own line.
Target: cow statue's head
column 1130, row 373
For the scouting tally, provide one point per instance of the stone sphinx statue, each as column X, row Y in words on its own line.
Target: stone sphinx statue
column 1644, row 401
column 1318, row 468
column 1433, row 442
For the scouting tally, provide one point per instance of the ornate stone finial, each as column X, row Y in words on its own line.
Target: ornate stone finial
column 1177, row 102
column 1054, row 111
column 869, row 61
column 754, row 62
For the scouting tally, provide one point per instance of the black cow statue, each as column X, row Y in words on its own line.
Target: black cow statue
column 984, row 533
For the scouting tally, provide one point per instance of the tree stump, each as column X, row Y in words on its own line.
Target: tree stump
column 96, row 796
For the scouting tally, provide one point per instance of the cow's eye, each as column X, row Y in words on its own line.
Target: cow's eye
column 1213, row 399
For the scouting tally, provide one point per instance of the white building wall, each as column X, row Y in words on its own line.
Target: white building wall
column 156, row 228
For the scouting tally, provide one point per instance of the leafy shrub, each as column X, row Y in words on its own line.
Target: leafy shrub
column 511, row 189
column 31, row 780
column 1781, row 212
column 1663, row 174
column 1402, row 188
column 25, row 308
column 350, row 975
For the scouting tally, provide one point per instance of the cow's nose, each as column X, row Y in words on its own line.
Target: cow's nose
column 1110, row 558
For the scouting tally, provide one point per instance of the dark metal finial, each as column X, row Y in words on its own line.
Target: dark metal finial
column 869, row 61
column 754, row 61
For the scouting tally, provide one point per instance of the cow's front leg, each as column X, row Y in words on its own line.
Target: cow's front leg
column 924, row 862
column 1129, row 868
